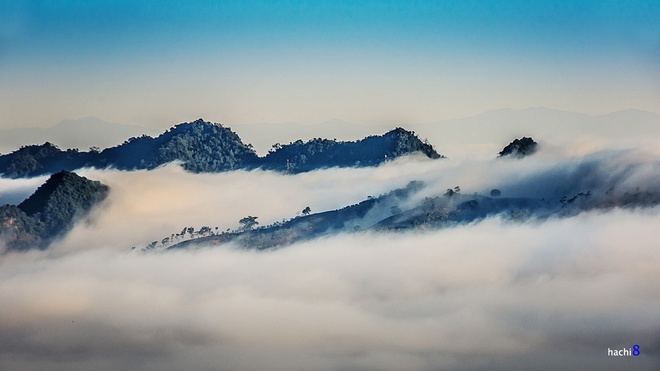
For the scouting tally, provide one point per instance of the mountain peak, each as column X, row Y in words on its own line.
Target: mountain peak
column 63, row 184
column 519, row 148
column 200, row 123
column 203, row 146
column 50, row 211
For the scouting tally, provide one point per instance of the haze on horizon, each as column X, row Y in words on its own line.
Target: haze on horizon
column 156, row 63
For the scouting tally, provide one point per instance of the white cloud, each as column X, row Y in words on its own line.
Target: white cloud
column 489, row 295
column 453, row 298
column 14, row 191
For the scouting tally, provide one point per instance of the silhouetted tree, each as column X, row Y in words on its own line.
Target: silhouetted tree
column 248, row 222
column 204, row 231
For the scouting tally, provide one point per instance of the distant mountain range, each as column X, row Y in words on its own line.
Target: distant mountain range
column 81, row 133
column 479, row 134
column 50, row 211
column 206, row 147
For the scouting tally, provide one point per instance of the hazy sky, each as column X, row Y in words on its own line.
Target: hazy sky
column 156, row 63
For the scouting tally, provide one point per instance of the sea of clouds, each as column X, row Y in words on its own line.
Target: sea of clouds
column 495, row 294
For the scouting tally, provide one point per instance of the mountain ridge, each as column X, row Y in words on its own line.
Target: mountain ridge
column 203, row 146
column 50, row 211
column 393, row 212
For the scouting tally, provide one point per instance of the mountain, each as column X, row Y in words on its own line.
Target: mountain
column 42, row 159
column 403, row 209
column 519, row 148
column 480, row 134
column 81, row 133
column 201, row 147
column 262, row 136
column 383, row 213
column 350, row 218
column 318, row 153
column 206, row 147
column 477, row 135
column 50, row 211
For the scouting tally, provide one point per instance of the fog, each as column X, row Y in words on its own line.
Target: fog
column 14, row 191
column 494, row 294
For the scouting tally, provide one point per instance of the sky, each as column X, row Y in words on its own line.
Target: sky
column 156, row 63
column 553, row 294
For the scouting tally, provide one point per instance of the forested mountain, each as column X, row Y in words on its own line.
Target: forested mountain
column 50, row 211
column 42, row 159
column 302, row 156
column 519, row 148
column 350, row 218
column 394, row 212
column 206, row 147
column 200, row 146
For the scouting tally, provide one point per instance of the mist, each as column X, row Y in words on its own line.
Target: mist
column 493, row 294
column 14, row 191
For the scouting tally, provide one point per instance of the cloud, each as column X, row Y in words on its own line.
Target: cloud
column 14, row 191
column 490, row 295
column 482, row 296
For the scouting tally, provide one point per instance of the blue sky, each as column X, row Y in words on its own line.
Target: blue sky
column 156, row 63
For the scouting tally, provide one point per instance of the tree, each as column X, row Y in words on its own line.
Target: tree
column 450, row 192
column 306, row 211
column 248, row 222
column 204, row 231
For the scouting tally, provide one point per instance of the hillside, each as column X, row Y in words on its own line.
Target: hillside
column 348, row 219
column 318, row 153
column 50, row 211
column 206, row 147
column 201, row 146
column 47, row 158
column 395, row 212
column 519, row 148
